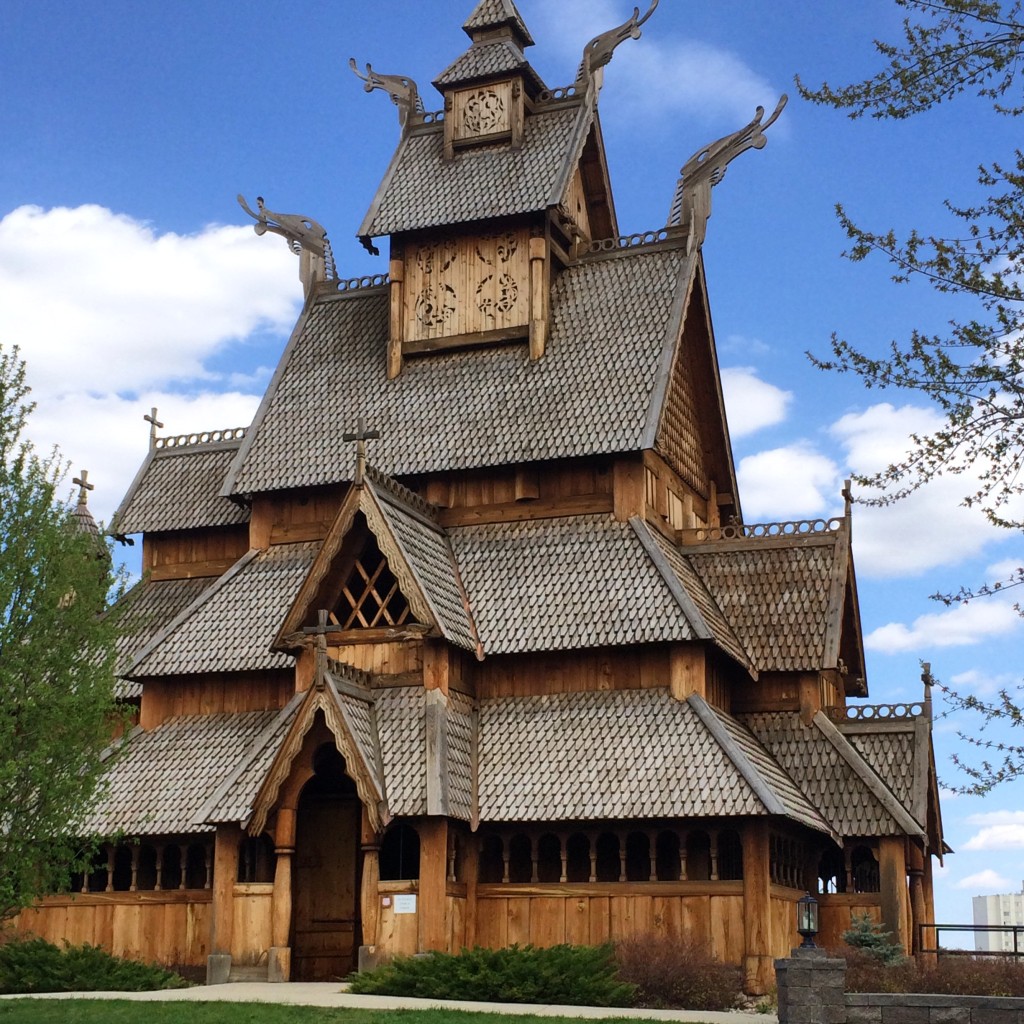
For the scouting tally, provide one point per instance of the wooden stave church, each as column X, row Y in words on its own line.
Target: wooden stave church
column 475, row 691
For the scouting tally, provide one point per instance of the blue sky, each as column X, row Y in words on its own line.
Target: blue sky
column 130, row 277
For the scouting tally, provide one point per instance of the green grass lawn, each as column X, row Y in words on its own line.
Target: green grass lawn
column 104, row 1011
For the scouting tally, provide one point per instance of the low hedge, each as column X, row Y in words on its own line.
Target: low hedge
column 33, row 965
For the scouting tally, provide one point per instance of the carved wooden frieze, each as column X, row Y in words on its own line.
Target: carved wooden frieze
column 466, row 286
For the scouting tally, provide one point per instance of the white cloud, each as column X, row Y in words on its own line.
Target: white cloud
column 996, row 818
column 99, row 302
column 984, row 881
column 958, row 626
column 113, row 318
column 659, row 74
column 985, row 684
column 932, row 526
column 752, row 403
column 997, row 837
column 790, row 482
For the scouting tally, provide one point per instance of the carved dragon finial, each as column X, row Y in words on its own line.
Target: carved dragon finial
column 598, row 53
column 403, row 91
column 691, row 204
column 303, row 235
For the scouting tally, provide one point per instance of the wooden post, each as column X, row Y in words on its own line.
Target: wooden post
column 810, row 697
column 687, row 671
column 225, row 871
column 915, row 870
column 261, row 522
column 396, row 334
column 757, row 960
column 628, row 488
column 892, row 869
column 433, row 902
column 538, row 297
column 471, row 870
column 279, row 965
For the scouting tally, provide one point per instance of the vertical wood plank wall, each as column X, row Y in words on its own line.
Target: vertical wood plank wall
column 171, row 928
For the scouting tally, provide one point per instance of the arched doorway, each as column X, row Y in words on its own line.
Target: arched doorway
column 325, row 882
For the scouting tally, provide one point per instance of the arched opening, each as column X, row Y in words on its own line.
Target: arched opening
column 864, row 868
column 256, row 859
column 667, row 861
column 325, row 870
column 520, row 858
column 195, row 866
column 609, row 866
column 145, row 877
column 577, row 851
column 730, row 855
column 549, row 859
column 492, row 859
column 400, row 854
column 698, row 857
column 170, row 876
column 122, row 869
column 831, row 872
column 638, row 857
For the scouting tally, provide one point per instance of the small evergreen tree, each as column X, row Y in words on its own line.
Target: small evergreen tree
column 873, row 940
column 56, row 663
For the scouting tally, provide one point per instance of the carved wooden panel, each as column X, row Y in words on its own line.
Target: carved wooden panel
column 459, row 286
column 481, row 112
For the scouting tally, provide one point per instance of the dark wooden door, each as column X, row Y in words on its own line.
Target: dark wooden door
column 325, row 892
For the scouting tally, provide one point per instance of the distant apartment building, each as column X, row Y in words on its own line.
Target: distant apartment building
column 1005, row 909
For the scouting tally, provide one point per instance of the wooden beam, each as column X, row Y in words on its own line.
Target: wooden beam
column 515, row 511
column 471, row 340
column 396, row 333
column 538, row 297
column 758, row 965
column 688, row 671
column 892, row 870
column 225, row 871
column 433, row 898
column 628, row 489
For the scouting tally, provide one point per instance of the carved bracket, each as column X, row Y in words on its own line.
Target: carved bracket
column 598, row 53
column 304, row 236
column 403, row 91
column 691, row 204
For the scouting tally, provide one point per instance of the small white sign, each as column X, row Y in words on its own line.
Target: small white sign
column 405, row 903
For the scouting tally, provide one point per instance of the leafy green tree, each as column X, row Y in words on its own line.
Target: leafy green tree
column 57, row 708
column 974, row 372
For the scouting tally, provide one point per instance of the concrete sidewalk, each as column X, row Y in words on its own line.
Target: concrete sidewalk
column 331, row 994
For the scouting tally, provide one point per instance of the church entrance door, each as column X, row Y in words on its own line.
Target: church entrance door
column 325, row 882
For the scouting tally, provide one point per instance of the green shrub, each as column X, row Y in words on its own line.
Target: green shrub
column 575, row 975
column 33, row 965
column 677, row 974
column 873, row 940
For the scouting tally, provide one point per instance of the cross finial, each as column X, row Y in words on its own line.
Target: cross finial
column 82, row 482
column 153, row 424
column 320, row 631
column 361, row 436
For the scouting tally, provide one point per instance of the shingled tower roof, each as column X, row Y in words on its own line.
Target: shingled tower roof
column 494, row 14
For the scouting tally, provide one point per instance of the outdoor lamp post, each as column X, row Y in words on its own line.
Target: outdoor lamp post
column 807, row 920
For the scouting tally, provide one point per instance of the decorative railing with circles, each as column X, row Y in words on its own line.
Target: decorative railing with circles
column 563, row 92
column 747, row 531
column 878, row 712
column 351, row 284
column 601, row 246
column 202, row 437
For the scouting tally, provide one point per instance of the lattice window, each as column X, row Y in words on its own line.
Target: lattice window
column 371, row 597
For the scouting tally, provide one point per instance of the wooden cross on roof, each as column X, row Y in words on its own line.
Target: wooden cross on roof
column 361, row 436
column 82, row 482
column 320, row 630
column 153, row 424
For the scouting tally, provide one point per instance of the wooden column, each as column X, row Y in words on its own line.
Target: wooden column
column 915, row 870
column 279, row 966
column 433, row 900
column 538, row 297
column 225, row 871
column 369, row 897
column 396, row 334
column 758, row 967
column 892, row 870
column 928, row 893
column 628, row 487
column 687, row 671
column 471, row 871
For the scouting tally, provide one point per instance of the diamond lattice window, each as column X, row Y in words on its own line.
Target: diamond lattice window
column 371, row 597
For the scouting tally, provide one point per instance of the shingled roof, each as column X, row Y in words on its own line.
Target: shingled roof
column 232, row 625
column 590, row 394
column 833, row 775
column 623, row 754
column 143, row 612
column 178, row 488
column 169, row 773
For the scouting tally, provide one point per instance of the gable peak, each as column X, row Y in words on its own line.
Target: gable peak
column 491, row 15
